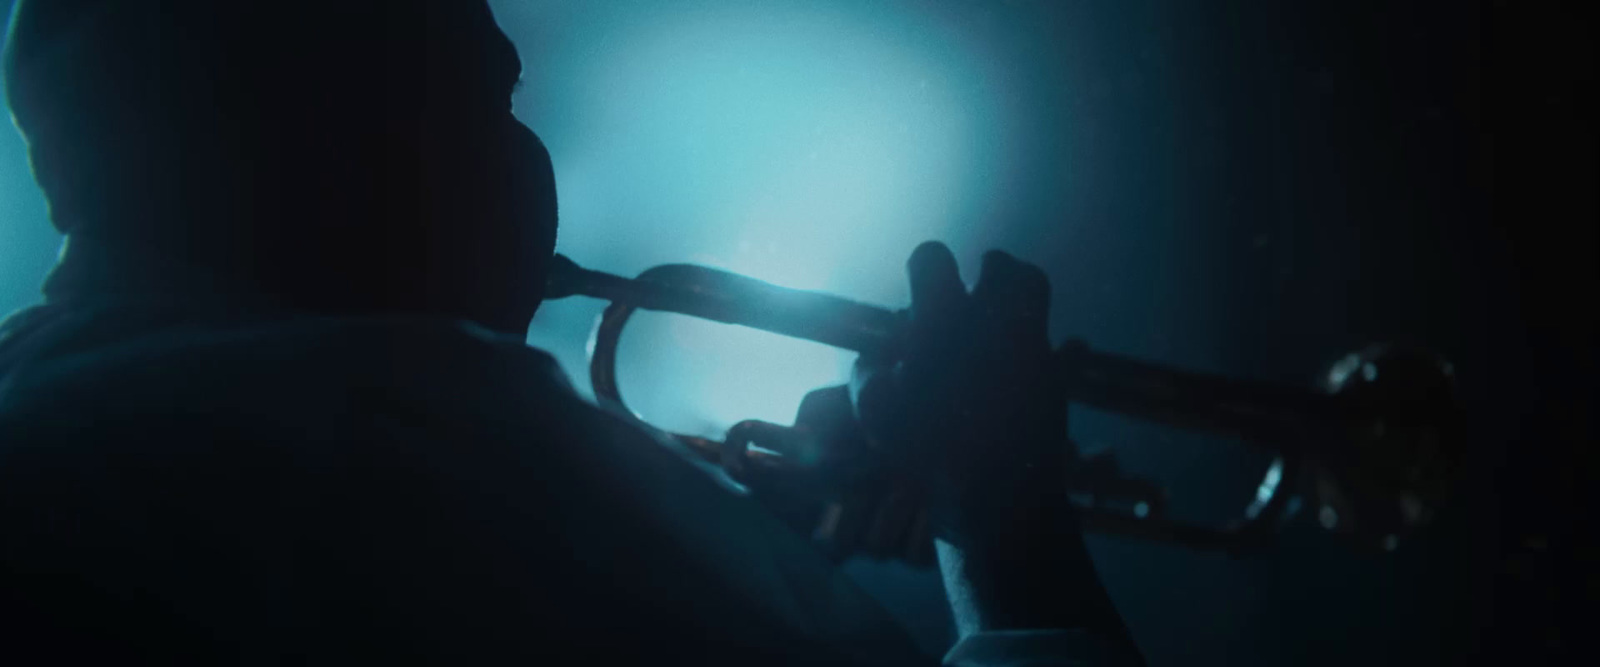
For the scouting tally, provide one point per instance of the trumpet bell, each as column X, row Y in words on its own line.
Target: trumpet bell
column 1394, row 465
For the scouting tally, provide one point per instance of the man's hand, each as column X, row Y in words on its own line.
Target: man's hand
column 973, row 416
column 972, row 409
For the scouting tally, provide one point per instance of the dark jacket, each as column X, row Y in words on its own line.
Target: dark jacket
column 196, row 485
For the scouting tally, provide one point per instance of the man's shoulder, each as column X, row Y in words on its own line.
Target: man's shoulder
column 447, row 391
column 87, row 364
column 289, row 400
column 368, row 417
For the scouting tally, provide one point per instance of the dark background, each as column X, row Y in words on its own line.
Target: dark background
column 1255, row 188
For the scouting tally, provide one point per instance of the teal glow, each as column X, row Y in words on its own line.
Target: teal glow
column 28, row 244
column 810, row 145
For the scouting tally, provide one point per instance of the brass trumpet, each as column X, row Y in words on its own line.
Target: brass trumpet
column 1373, row 451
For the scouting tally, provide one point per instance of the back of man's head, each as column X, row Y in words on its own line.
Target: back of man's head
column 335, row 154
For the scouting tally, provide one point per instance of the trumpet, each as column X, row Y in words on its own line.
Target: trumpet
column 1373, row 450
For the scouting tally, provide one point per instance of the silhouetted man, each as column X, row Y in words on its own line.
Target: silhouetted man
column 276, row 406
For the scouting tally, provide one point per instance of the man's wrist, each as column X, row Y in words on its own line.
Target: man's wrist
column 993, row 590
column 1024, row 568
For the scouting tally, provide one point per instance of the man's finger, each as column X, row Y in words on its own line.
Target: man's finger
column 826, row 410
column 936, row 287
column 1013, row 292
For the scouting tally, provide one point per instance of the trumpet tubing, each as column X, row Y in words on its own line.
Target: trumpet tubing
column 1372, row 446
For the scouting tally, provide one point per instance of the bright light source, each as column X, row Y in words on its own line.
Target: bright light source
column 812, row 146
